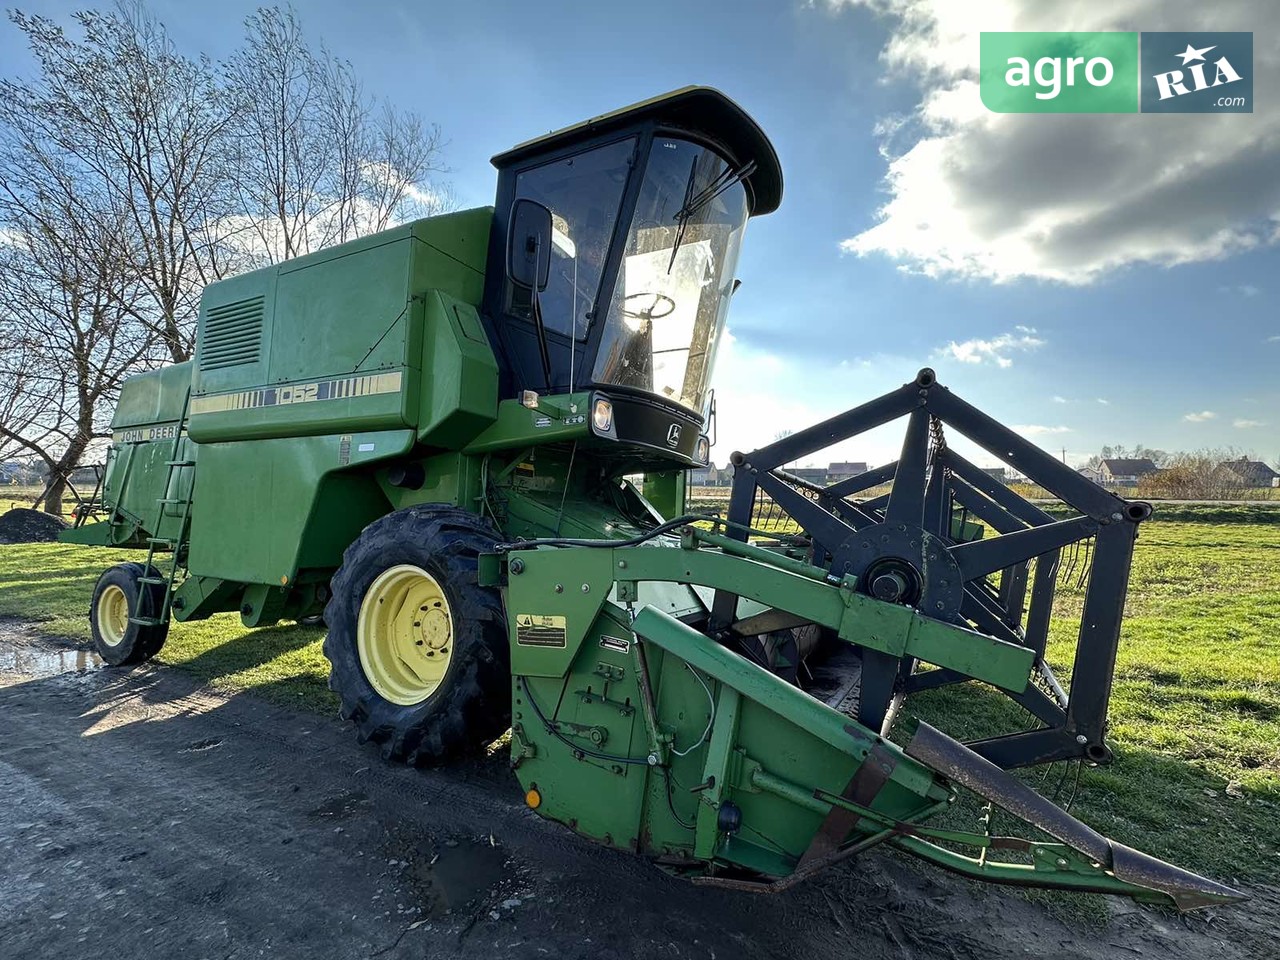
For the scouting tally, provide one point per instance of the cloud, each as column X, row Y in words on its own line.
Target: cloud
column 996, row 350
column 1244, row 289
column 1037, row 430
column 1059, row 399
column 1273, row 339
column 1247, row 424
column 1200, row 417
column 1105, row 403
column 1063, row 197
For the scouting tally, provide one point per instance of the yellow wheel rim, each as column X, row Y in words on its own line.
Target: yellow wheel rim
column 405, row 634
column 113, row 615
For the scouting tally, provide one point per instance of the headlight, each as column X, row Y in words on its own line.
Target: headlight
column 602, row 416
column 702, row 452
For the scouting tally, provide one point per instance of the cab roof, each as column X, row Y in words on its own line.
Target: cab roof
column 699, row 110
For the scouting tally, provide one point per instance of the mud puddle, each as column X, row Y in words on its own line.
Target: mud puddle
column 30, row 660
column 456, row 875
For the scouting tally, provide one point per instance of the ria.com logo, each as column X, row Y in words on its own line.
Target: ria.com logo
column 1117, row 72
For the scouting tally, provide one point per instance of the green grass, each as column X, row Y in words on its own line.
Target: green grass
column 1195, row 708
column 1195, row 713
column 52, row 583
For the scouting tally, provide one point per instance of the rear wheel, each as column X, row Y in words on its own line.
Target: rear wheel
column 119, row 599
column 418, row 649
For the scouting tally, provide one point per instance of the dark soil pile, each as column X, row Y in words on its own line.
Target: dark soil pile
column 20, row 525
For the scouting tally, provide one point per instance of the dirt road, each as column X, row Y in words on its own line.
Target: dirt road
column 142, row 816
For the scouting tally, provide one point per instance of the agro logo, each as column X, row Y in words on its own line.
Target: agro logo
column 673, row 435
column 1079, row 72
column 1197, row 72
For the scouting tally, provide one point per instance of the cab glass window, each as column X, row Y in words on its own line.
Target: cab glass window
column 583, row 193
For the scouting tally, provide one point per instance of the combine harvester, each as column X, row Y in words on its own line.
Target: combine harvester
column 466, row 442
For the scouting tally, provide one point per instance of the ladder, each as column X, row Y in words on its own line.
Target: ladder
column 95, row 505
column 174, row 544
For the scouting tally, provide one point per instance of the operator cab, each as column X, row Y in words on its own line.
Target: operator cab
column 612, row 260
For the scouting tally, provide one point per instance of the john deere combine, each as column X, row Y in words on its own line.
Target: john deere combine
column 465, row 441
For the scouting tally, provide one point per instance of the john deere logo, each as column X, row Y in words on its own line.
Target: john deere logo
column 673, row 435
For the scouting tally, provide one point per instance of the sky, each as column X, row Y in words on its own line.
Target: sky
column 1087, row 279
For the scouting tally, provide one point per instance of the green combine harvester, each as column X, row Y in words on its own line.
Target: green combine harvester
column 466, row 443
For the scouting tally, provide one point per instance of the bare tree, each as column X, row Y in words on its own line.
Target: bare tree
column 131, row 175
column 147, row 127
column 68, row 322
column 1202, row 475
column 317, row 160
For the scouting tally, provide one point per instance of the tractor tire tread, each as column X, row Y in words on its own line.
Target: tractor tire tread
column 141, row 642
column 473, row 707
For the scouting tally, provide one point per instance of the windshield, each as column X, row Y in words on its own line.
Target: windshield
column 583, row 193
column 676, row 275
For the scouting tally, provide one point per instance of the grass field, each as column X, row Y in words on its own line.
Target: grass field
column 1195, row 719
column 1195, row 709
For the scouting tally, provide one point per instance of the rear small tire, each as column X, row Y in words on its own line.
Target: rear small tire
column 421, row 558
column 118, row 598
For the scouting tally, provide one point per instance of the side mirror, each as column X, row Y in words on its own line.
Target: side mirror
column 529, row 244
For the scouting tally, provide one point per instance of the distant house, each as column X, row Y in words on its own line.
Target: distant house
column 812, row 474
column 1247, row 473
column 997, row 473
column 710, row 476
column 1091, row 473
column 845, row 471
column 14, row 472
column 1126, row 472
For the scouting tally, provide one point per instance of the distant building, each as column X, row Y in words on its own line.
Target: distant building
column 710, row 476
column 14, row 472
column 1117, row 472
column 1091, row 473
column 997, row 473
column 1247, row 473
column 812, row 474
column 845, row 471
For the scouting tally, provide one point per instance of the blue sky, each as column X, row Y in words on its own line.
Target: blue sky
column 1043, row 279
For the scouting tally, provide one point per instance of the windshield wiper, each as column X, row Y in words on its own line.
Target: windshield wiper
column 693, row 202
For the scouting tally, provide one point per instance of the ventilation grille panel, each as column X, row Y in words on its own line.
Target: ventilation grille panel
column 232, row 334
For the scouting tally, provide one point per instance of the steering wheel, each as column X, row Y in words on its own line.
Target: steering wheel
column 659, row 300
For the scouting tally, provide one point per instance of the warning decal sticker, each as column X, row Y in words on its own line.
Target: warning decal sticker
column 540, row 630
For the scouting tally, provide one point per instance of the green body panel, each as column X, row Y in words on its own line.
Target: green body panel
column 666, row 491
column 152, row 398
column 315, row 496
column 556, row 419
column 462, row 395
column 147, row 420
column 351, row 338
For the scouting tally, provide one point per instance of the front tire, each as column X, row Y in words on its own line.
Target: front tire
column 417, row 648
column 118, row 599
